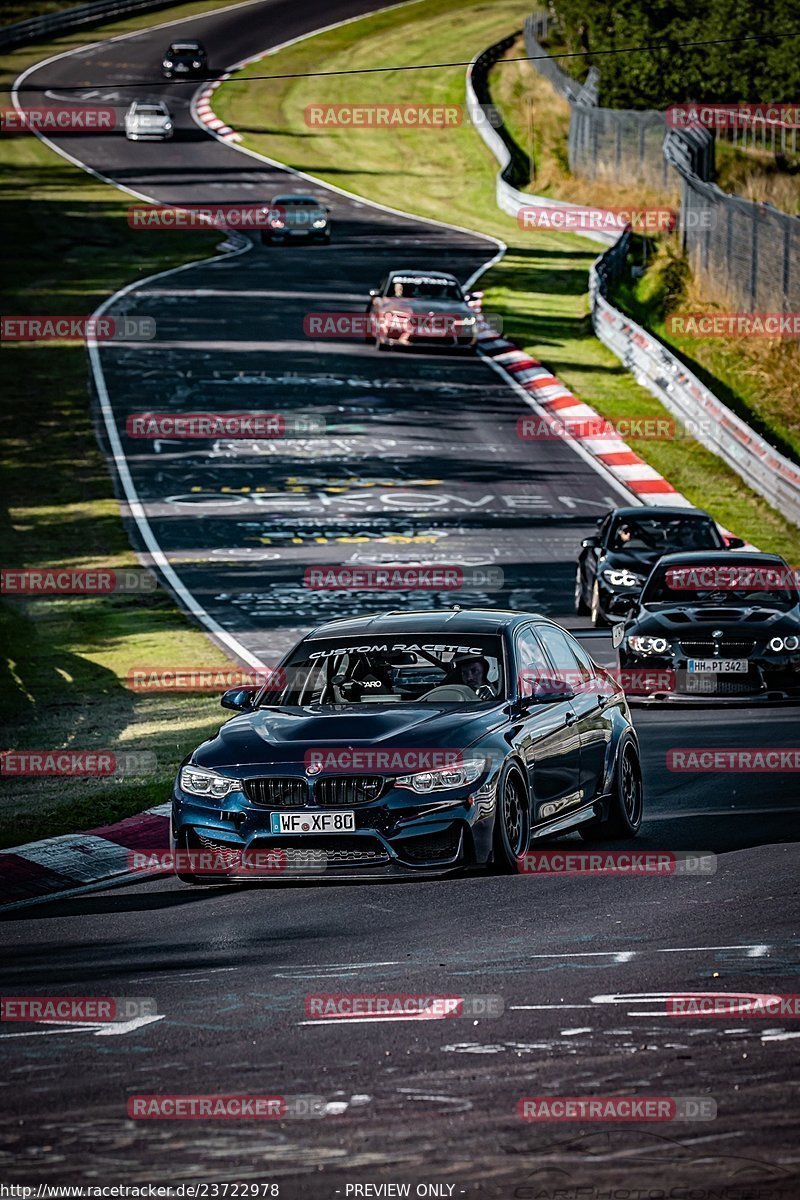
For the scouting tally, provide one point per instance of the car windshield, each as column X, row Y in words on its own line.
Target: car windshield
column 392, row 669
column 185, row 48
column 420, row 287
column 296, row 202
column 151, row 110
column 664, row 534
column 730, row 584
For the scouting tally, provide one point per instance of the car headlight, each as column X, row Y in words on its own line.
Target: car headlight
column 276, row 223
column 320, row 223
column 619, row 577
column 466, row 320
column 168, row 124
column 457, row 776
column 779, row 644
column 648, row 645
column 199, row 782
column 167, row 62
column 197, row 64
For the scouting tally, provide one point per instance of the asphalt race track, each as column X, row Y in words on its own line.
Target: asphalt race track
column 420, row 462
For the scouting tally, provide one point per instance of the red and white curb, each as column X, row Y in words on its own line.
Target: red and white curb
column 549, row 398
column 66, row 866
column 207, row 116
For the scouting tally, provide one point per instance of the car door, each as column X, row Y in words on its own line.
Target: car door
column 591, row 704
column 546, row 737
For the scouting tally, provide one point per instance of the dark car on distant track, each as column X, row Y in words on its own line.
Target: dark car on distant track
column 295, row 216
column 615, row 562
column 415, row 743
column 183, row 60
column 716, row 626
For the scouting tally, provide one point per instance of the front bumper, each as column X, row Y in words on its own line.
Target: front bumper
column 401, row 834
column 766, row 681
column 136, row 135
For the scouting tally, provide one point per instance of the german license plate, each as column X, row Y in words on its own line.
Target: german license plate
column 303, row 822
column 718, row 666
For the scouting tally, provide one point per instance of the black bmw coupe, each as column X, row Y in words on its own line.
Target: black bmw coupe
column 716, row 626
column 414, row 743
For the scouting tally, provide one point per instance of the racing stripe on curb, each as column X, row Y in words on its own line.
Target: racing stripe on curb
column 76, row 862
column 623, row 463
column 206, row 114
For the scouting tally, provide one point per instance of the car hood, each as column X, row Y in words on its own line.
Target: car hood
column 639, row 561
column 691, row 621
column 286, row 735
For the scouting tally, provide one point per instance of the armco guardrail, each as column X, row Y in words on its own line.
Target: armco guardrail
column 774, row 477
column 713, row 424
column 36, row 28
column 484, row 117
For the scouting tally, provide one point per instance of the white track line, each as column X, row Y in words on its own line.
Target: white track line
column 193, row 606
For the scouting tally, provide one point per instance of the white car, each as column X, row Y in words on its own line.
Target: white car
column 148, row 120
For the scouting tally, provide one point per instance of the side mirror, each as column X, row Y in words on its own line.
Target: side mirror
column 734, row 543
column 373, row 291
column 542, row 689
column 623, row 606
column 239, row 699
column 591, row 543
column 547, row 690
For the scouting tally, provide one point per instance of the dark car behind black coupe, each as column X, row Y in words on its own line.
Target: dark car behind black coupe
column 724, row 625
column 415, row 742
column 614, row 562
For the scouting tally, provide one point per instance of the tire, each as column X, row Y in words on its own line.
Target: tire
column 624, row 818
column 581, row 607
column 512, row 823
column 379, row 345
column 596, row 613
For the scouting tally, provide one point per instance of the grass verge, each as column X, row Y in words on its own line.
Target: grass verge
column 540, row 286
column 65, row 661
